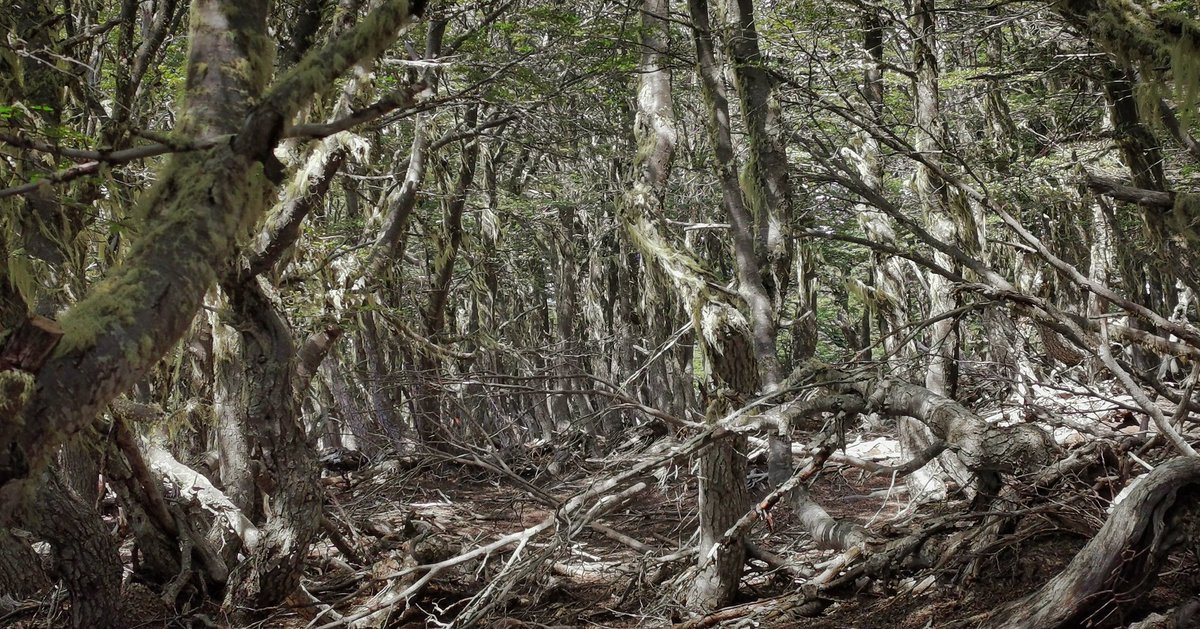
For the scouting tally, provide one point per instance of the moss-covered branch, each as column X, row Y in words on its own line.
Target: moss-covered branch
column 1144, row 37
column 319, row 68
column 205, row 204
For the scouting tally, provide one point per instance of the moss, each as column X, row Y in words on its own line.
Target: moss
column 1185, row 67
column 114, row 302
column 206, row 203
column 1148, row 40
column 1185, row 217
column 366, row 40
column 16, row 387
column 753, row 188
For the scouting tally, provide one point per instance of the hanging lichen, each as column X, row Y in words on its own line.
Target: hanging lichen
column 1151, row 39
column 1185, row 66
column 15, row 388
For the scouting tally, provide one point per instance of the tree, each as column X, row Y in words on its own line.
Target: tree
column 204, row 205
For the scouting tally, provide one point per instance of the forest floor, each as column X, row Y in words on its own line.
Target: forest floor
column 398, row 518
column 602, row 582
column 611, row 574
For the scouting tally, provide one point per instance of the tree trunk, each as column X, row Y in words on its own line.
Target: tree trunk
column 21, row 574
column 85, row 555
column 283, row 461
column 767, row 191
column 942, row 374
column 942, row 377
column 729, row 346
column 889, row 289
column 447, row 243
column 1120, row 565
column 235, row 437
column 723, row 500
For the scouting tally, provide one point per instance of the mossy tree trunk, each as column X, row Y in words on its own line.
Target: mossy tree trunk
column 941, row 376
column 204, row 205
column 767, row 193
column 888, row 295
column 725, row 336
column 447, row 243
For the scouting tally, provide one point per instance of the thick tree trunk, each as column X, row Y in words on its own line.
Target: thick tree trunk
column 283, row 461
column 1120, row 565
column 723, row 500
column 85, row 555
column 21, row 574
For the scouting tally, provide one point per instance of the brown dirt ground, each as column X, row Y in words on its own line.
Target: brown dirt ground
column 463, row 507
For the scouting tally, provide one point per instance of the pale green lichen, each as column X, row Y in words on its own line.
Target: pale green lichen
column 1185, row 68
column 1148, row 39
column 112, row 303
column 16, row 388
column 205, row 205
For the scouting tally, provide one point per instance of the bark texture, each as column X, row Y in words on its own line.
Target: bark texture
column 204, row 204
column 1120, row 565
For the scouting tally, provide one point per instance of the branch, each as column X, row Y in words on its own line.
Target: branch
column 1116, row 189
column 904, row 469
column 406, row 97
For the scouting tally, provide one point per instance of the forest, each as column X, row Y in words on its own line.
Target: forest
column 631, row 313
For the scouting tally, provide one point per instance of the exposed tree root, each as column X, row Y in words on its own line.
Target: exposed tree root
column 1117, row 568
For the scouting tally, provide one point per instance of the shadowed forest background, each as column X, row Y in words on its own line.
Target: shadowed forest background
column 530, row 313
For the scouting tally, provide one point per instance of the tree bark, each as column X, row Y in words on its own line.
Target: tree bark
column 283, row 462
column 205, row 203
column 725, row 336
column 21, row 574
column 942, row 374
column 85, row 555
column 767, row 191
column 1120, row 565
